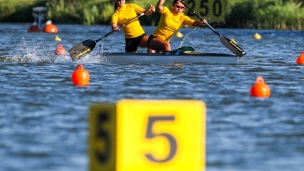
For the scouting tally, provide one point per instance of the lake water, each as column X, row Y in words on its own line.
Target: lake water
column 43, row 116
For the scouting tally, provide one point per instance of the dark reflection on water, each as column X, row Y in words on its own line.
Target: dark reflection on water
column 43, row 117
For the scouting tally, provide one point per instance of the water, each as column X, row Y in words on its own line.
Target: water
column 43, row 117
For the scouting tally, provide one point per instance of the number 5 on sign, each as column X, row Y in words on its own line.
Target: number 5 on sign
column 147, row 135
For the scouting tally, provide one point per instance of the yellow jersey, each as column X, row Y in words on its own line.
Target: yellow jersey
column 170, row 23
column 124, row 14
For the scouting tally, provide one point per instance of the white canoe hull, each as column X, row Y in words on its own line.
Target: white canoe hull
column 184, row 57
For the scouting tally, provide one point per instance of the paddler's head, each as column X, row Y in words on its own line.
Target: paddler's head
column 178, row 7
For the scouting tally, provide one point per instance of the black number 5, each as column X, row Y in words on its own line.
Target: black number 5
column 103, row 135
column 204, row 7
column 150, row 135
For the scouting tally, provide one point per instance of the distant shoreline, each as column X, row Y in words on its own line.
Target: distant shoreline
column 254, row 14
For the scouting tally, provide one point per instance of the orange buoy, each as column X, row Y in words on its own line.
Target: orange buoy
column 33, row 28
column 80, row 76
column 300, row 59
column 49, row 27
column 260, row 89
column 60, row 50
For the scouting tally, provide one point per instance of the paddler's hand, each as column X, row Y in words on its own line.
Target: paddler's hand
column 204, row 21
column 116, row 28
column 152, row 8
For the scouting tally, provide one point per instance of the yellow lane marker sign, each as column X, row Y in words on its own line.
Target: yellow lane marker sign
column 149, row 135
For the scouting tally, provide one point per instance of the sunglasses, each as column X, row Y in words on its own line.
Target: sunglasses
column 179, row 7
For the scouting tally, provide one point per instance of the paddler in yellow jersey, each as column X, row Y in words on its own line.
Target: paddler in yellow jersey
column 134, row 33
column 171, row 21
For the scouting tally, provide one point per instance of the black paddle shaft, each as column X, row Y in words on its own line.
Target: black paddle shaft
column 104, row 36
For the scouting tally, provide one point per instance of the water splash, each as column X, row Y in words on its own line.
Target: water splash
column 187, row 36
column 32, row 52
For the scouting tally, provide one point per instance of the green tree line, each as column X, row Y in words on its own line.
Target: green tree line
column 255, row 14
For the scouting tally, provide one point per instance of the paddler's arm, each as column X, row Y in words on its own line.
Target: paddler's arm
column 160, row 4
column 114, row 21
column 198, row 23
column 115, row 27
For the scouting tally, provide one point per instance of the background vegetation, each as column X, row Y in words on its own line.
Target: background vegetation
column 258, row 14
column 266, row 14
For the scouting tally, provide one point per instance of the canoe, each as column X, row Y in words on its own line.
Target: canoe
column 185, row 54
column 182, row 57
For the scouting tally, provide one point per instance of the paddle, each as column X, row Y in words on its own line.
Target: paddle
column 87, row 46
column 231, row 45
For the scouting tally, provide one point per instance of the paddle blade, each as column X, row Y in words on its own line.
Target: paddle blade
column 82, row 49
column 232, row 46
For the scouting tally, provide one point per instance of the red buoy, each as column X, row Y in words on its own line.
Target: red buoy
column 260, row 89
column 300, row 59
column 33, row 28
column 60, row 50
column 80, row 76
column 49, row 27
